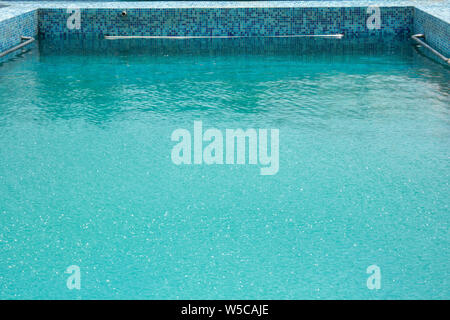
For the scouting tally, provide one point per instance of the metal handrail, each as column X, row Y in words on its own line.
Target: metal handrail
column 437, row 53
column 337, row 36
column 23, row 44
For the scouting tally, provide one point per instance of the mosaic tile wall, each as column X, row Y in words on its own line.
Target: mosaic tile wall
column 437, row 32
column 11, row 30
column 226, row 19
column 352, row 21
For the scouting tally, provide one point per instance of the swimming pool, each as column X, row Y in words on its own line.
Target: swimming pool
column 87, row 177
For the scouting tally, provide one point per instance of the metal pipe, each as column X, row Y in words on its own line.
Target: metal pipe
column 337, row 36
column 23, row 44
column 440, row 55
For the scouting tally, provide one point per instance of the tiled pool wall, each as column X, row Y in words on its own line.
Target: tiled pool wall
column 51, row 23
column 11, row 30
column 225, row 22
column 437, row 32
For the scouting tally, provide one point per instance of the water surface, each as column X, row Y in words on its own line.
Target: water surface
column 86, row 176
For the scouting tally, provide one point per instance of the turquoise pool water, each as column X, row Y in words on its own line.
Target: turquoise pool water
column 86, row 176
